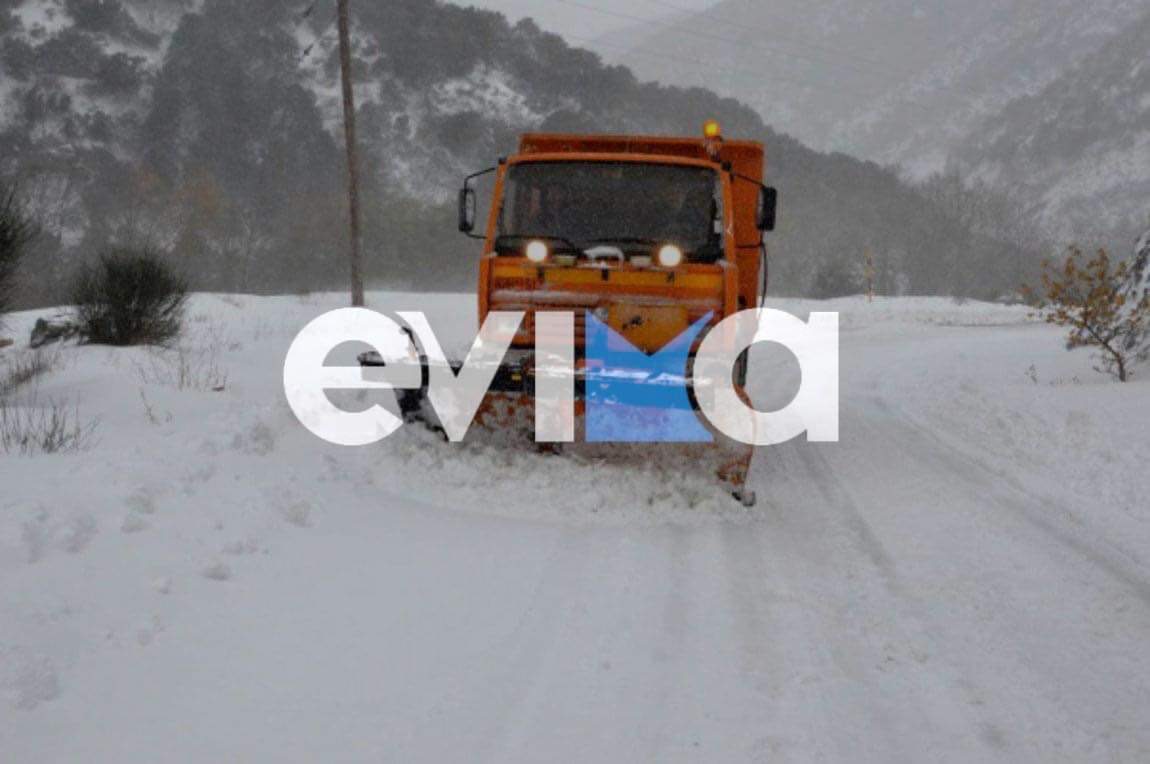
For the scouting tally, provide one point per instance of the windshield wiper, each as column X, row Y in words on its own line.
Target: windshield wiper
column 623, row 240
column 508, row 241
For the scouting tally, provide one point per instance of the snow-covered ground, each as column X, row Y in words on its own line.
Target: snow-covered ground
column 965, row 577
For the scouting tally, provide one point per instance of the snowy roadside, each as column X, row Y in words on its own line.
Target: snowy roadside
column 201, row 492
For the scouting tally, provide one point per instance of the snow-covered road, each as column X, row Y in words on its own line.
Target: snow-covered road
column 963, row 578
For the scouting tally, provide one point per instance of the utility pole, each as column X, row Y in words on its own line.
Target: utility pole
column 352, row 159
column 869, row 273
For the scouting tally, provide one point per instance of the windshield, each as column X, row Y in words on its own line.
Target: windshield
column 632, row 205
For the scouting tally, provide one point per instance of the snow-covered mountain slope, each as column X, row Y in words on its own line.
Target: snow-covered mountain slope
column 806, row 66
column 212, row 129
column 1022, row 47
column 1078, row 152
column 964, row 577
column 897, row 81
column 443, row 89
column 217, row 137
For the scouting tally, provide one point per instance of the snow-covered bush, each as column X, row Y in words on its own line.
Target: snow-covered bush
column 16, row 232
column 1106, row 306
column 129, row 297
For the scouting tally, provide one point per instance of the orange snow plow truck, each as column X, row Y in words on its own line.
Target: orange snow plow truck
column 647, row 236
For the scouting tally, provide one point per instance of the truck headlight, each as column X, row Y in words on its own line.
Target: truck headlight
column 670, row 256
column 537, row 252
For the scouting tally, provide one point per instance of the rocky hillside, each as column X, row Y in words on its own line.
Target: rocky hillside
column 1078, row 151
column 807, row 66
column 1019, row 48
column 897, row 81
column 1139, row 285
column 210, row 129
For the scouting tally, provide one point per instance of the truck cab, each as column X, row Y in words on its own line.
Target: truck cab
column 648, row 234
column 642, row 241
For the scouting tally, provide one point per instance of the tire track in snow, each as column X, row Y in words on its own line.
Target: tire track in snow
column 953, row 531
column 1039, row 511
column 1076, row 634
column 599, row 671
column 864, row 648
column 783, row 665
column 482, row 708
column 945, row 702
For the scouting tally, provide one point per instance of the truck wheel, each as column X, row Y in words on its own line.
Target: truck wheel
column 747, row 498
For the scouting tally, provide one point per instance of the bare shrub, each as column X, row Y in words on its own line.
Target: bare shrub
column 1092, row 298
column 49, row 427
column 129, row 297
column 34, row 426
column 184, row 369
column 151, row 413
column 24, row 368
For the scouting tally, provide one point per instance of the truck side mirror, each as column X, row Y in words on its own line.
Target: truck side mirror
column 768, row 207
column 466, row 210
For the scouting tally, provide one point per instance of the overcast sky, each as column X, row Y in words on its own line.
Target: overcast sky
column 574, row 18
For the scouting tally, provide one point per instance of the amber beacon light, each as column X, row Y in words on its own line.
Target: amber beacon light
column 713, row 136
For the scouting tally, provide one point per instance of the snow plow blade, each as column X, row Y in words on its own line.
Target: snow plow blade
column 506, row 418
